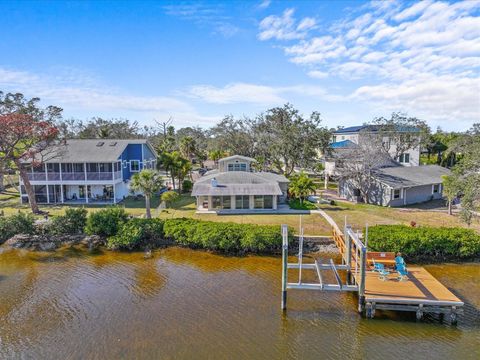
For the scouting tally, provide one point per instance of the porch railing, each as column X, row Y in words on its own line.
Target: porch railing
column 99, row 176
column 75, row 176
column 70, row 176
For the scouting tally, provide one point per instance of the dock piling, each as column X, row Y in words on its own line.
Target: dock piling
column 284, row 266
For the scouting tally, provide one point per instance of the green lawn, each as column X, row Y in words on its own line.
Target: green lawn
column 359, row 214
column 313, row 224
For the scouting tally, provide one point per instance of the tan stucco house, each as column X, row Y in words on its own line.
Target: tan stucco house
column 236, row 187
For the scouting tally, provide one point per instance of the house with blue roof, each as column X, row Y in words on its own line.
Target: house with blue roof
column 88, row 170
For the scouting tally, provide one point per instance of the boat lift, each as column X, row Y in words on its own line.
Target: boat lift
column 353, row 262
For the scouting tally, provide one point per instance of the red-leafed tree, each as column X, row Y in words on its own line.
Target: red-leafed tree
column 27, row 136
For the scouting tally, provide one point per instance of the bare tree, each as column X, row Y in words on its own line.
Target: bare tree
column 400, row 133
column 357, row 164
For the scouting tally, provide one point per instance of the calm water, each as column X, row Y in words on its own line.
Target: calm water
column 195, row 305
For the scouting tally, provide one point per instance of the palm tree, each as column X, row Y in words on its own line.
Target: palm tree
column 148, row 182
column 216, row 155
column 301, row 186
column 188, row 147
column 176, row 165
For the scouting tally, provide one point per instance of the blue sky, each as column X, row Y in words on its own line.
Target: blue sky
column 198, row 61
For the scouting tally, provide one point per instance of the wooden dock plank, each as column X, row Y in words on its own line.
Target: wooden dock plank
column 421, row 287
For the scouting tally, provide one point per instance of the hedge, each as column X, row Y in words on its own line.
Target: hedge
column 106, row 222
column 227, row 237
column 425, row 243
column 136, row 233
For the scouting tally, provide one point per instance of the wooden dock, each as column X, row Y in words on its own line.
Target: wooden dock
column 418, row 292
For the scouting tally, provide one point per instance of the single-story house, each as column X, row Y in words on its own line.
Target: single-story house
column 236, row 186
column 399, row 185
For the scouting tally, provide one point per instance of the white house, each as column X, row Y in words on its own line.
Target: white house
column 84, row 171
column 351, row 136
column 236, row 187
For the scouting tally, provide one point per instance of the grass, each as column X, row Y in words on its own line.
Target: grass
column 185, row 207
column 359, row 214
column 305, row 205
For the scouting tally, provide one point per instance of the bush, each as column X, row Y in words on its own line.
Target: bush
column 187, row 185
column 106, row 222
column 228, row 237
column 169, row 197
column 136, row 233
column 425, row 243
column 16, row 224
column 306, row 205
column 73, row 222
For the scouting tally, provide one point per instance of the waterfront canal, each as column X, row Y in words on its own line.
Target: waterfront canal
column 194, row 305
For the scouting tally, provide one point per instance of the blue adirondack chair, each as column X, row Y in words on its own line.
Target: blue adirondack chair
column 382, row 272
column 402, row 272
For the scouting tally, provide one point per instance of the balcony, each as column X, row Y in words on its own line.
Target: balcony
column 72, row 176
column 37, row 176
column 75, row 176
column 96, row 176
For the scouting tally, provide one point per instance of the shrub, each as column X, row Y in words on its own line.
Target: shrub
column 228, row 237
column 73, row 222
column 16, row 224
column 425, row 243
column 187, row 185
column 106, row 222
column 169, row 197
column 297, row 205
column 136, row 233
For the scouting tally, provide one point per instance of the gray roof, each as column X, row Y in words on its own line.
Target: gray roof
column 239, row 183
column 410, row 176
column 89, row 150
column 236, row 189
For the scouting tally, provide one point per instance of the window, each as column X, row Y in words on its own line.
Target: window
column 134, row 165
column 263, row 201
column 242, row 202
column 67, row 168
column 237, row 167
column 258, row 201
column 397, row 193
column 268, row 201
column 404, row 158
column 436, row 189
column 226, row 202
column 216, row 202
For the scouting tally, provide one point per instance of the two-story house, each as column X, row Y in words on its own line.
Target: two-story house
column 236, row 188
column 85, row 171
column 348, row 137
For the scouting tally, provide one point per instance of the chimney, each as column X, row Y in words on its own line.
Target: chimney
column 214, row 182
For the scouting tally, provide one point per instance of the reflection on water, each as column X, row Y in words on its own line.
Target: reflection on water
column 191, row 304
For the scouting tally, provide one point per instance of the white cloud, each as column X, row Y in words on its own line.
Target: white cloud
column 204, row 15
column 72, row 89
column 264, row 4
column 444, row 98
column 317, row 74
column 285, row 27
column 399, row 52
column 243, row 93
column 236, row 93
column 413, row 10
